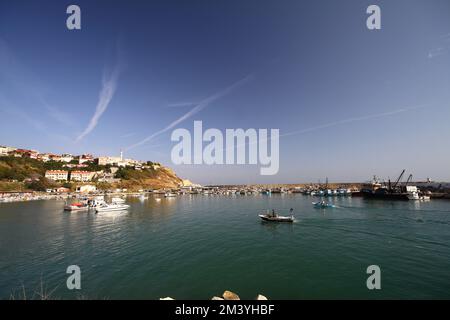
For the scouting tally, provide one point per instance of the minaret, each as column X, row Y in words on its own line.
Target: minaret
column 121, row 155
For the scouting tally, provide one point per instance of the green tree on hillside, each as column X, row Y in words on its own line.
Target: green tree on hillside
column 41, row 185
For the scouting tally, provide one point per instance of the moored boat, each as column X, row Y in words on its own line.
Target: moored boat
column 412, row 193
column 107, row 207
column 78, row 206
column 169, row 195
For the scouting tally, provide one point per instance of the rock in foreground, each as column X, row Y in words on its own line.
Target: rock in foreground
column 228, row 295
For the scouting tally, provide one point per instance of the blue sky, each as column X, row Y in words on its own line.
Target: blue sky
column 349, row 102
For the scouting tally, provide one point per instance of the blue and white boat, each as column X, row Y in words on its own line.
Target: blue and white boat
column 323, row 204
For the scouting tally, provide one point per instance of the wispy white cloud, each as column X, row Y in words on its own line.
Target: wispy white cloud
column 200, row 106
column 181, row 104
column 109, row 86
column 336, row 123
column 28, row 86
column 436, row 52
column 17, row 76
column 442, row 47
column 13, row 111
column 127, row 135
column 446, row 36
column 349, row 120
column 57, row 114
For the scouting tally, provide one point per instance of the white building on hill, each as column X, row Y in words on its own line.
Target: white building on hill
column 57, row 175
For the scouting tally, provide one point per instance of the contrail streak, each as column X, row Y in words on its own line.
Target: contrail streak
column 336, row 123
column 109, row 86
column 203, row 104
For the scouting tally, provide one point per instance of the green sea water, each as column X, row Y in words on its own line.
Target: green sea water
column 197, row 246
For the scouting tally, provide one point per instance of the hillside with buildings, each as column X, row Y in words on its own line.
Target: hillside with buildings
column 24, row 169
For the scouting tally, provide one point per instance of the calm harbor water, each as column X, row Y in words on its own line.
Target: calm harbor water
column 195, row 247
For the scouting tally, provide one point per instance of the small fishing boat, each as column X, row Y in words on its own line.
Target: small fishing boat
column 274, row 217
column 323, row 204
column 78, row 206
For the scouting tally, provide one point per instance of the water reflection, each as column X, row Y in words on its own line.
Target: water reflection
column 148, row 248
column 278, row 227
column 154, row 206
column 113, row 216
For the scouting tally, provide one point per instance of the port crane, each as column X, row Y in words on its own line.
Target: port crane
column 408, row 180
column 397, row 181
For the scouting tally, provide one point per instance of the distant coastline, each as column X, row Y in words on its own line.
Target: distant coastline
column 24, row 170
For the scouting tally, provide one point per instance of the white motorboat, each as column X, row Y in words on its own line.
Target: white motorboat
column 412, row 193
column 413, row 196
column 117, row 200
column 98, row 200
column 169, row 194
column 107, row 207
